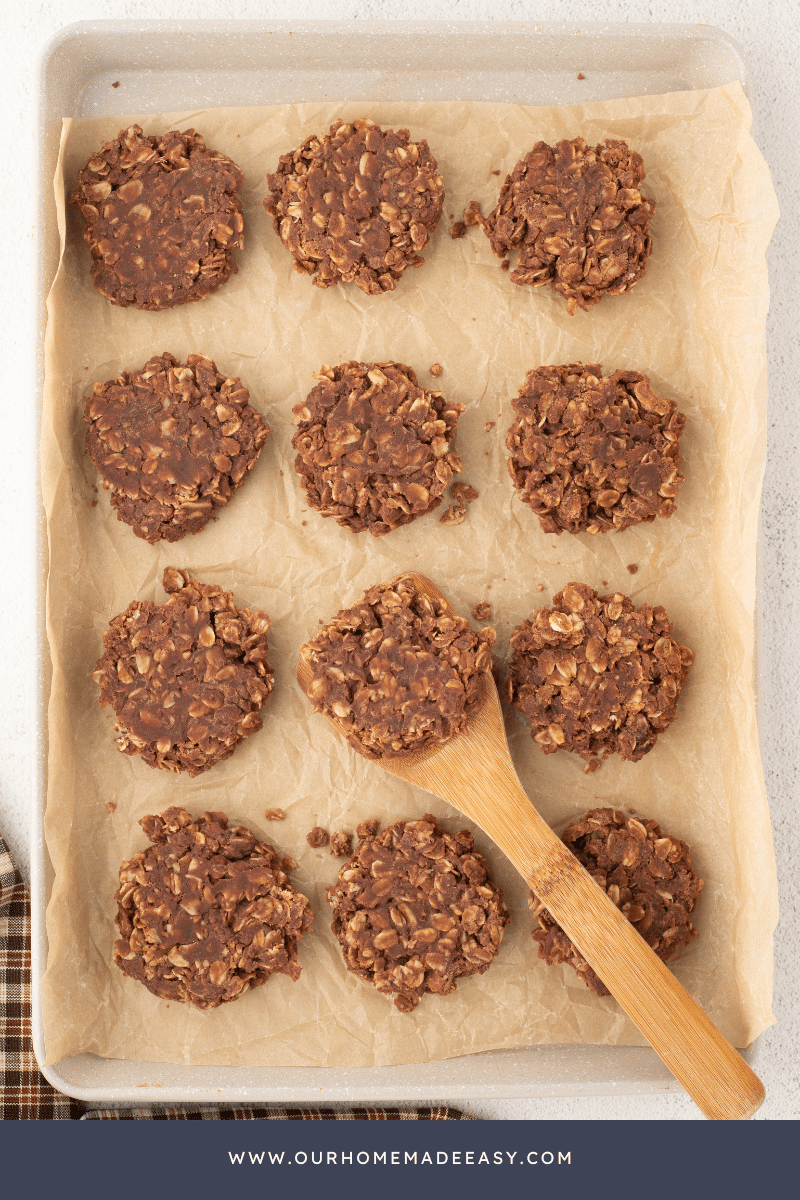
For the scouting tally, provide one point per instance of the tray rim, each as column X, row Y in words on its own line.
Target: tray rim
column 77, row 34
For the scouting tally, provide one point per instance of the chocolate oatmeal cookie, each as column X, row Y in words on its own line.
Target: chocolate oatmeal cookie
column 373, row 446
column 647, row 874
column 597, row 676
column 590, row 453
column 172, row 443
column 187, row 679
column 207, row 911
column 356, row 205
column 396, row 670
column 414, row 909
column 162, row 218
column 577, row 217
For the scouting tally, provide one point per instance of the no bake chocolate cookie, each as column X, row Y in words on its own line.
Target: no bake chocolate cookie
column 172, row 443
column 356, row 205
column 207, row 911
column 414, row 910
column 576, row 216
column 373, row 446
column 187, row 679
column 162, row 218
column 647, row 874
column 590, row 453
column 396, row 670
column 597, row 676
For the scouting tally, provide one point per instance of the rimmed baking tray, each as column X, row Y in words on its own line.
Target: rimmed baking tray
column 180, row 64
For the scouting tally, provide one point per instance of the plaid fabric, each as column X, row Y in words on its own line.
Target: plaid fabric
column 25, row 1095
column 221, row 1113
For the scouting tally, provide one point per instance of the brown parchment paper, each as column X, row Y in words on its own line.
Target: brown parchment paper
column 695, row 324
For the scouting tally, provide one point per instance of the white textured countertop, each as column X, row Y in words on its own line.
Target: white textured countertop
column 769, row 32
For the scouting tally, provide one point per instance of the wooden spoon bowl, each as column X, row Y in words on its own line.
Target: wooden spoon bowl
column 474, row 773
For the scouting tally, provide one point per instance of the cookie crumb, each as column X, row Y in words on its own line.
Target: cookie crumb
column 593, row 765
column 317, row 837
column 289, row 864
column 458, row 230
column 489, row 425
column 505, row 265
column 275, row 814
column 632, row 567
column 111, row 806
column 540, row 587
column 115, row 84
column 464, row 492
column 495, row 172
column 580, row 76
column 472, row 213
column 453, row 515
column 341, row 844
column 482, row 611
column 435, row 370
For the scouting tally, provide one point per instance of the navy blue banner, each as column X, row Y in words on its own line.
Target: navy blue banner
column 133, row 1160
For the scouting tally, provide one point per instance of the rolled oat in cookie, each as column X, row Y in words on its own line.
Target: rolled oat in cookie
column 577, row 218
column 591, row 453
column 162, row 218
column 647, row 874
column 396, row 670
column 172, row 443
column 356, row 205
column 597, row 676
column 373, row 446
column 414, row 910
column 187, row 679
column 207, row 911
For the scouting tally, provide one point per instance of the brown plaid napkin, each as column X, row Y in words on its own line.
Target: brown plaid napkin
column 25, row 1095
column 213, row 1112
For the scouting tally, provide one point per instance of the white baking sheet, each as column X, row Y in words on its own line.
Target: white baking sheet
column 482, row 65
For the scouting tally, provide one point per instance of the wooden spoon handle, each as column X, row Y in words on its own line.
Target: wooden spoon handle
column 703, row 1061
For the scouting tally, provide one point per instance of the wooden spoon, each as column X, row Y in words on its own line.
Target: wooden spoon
column 474, row 773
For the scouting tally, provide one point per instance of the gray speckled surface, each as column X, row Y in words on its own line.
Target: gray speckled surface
column 768, row 30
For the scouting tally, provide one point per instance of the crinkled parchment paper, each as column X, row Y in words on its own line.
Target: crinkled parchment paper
column 695, row 324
